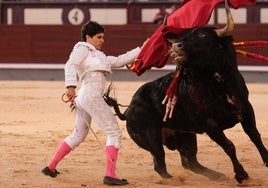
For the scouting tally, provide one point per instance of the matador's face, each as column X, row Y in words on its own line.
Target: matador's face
column 97, row 40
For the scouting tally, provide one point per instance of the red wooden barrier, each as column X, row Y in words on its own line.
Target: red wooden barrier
column 53, row 44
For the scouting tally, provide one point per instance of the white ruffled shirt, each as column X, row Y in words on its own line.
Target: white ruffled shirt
column 85, row 57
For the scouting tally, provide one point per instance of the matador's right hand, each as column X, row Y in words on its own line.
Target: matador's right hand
column 71, row 94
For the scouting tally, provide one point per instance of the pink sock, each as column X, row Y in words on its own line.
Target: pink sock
column 111, row 157
column 62, row 151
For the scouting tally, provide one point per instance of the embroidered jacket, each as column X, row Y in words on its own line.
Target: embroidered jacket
column 85, row 57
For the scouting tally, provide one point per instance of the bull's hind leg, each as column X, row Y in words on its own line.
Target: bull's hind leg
column 249, row 126
column 158, row 154
column 155, row 147
column 150, row 140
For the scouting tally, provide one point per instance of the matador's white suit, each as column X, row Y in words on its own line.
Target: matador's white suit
column 92, row 67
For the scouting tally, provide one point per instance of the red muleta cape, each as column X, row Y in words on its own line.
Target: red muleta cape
column 191, row 13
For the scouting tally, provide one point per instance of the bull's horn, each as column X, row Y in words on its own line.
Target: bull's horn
column 229, row 28
column 171, row 40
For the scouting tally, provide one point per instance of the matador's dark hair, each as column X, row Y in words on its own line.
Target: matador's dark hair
column 91, row 28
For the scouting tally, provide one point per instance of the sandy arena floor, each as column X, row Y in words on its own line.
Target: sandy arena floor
column 34, row 121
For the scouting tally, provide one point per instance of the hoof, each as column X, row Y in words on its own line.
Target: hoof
column 166, row 176
column 242, row 179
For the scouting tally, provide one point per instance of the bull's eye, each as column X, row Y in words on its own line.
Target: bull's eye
column 201, row 35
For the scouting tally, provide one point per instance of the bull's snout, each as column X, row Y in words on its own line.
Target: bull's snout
column 177, row 52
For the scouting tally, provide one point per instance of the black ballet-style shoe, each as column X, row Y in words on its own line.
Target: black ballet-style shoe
column 46, row 171
column 114, row 181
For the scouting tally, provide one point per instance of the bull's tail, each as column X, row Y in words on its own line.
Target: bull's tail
column 113, row 103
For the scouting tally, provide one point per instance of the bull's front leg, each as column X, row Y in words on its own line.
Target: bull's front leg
column 216, row 134
column 249, row 126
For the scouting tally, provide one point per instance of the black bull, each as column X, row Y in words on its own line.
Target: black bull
column 212, row 97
